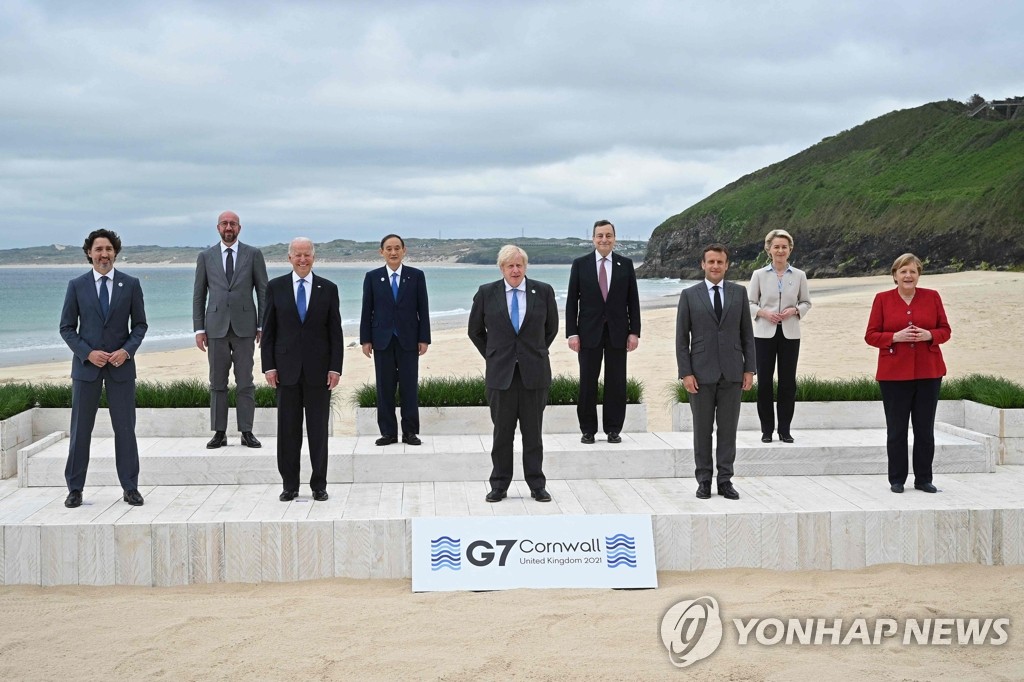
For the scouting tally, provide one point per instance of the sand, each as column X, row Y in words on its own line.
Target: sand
column 348, row 629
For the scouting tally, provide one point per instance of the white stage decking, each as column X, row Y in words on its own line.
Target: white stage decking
column 210, row 533
column 186, row 461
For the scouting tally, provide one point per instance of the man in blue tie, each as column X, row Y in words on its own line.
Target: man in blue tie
column 394, row 329
column 513, row 323
column 103, row 322
column 301, row 352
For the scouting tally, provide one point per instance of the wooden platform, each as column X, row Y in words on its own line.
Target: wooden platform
column 241, row 533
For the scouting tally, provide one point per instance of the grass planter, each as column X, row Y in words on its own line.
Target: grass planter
column 458, row 405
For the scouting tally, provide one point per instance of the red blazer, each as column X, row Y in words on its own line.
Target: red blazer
column 907, row 361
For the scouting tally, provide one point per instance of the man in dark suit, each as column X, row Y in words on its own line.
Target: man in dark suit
column 513, row 323
column 602, row 321
column 716, row 359
column 225, row 320
column 302, row 351
column 395, row 323
column 103, row 322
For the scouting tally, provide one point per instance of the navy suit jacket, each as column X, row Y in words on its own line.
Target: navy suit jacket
column 302, row 350
column 491, row 331
column 586, row 312
column 84, row 329
column 383, row 316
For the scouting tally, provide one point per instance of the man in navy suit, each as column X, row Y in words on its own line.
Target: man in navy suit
column 716, row 359
column 103, row 322
column 301, row 351
column 602, row 322
column 395, row 323
column 513, row 323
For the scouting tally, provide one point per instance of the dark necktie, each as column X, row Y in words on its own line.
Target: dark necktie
column 515, row 310
column 394, row 285
column 104, row 297
column 718, row 303
column 300, row 300
column 229, row 265
column 602, row 278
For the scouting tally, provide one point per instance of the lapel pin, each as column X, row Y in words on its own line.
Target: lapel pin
column 533, row 291
column 382, row 279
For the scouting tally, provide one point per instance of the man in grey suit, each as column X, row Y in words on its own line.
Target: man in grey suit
column 226, row 321
column 716, row 358
column 103, row 321
column 513, row 323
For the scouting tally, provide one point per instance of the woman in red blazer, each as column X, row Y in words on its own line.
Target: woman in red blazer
column 907, row 324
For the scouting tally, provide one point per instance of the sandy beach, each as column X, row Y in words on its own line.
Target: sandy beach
column 348, row 629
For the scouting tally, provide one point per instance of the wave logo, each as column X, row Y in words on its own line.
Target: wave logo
column 620, row 550
column 691, row 630
column 446, row 552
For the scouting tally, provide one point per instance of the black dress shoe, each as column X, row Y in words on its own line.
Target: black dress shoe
column 386, row 440
column 288, row 495
column 727, row 491
column 766, row 438
column 704, row 490
column 250, row 441
column 496, row 495
column 320, row 496
column 133, row 498
column 896, row 487
column 614, row 437
column 587, row 438
column 219, row 440
column 74, row 499
column 541, row 495
column 926, row 487
column 786, row 438
column 411, row 439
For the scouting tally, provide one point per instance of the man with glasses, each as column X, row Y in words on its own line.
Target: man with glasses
column 226, row 322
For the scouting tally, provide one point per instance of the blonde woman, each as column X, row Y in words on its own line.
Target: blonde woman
column 778, row 301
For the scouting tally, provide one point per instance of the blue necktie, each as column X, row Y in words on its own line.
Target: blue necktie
column 515, row 310
column 394, row 285
column 300, row 300
column 104, row 297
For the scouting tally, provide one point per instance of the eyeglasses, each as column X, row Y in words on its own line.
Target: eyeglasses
column 227, row 223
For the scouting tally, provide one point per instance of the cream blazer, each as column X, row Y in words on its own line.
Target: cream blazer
column 763, row 294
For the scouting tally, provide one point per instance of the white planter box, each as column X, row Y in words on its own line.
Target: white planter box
column 827, row 415
column 15, row 433
column 179, row 422
column 1006, row 425
column 448, row 421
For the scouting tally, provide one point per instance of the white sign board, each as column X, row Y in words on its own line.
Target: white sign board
column 507, row 552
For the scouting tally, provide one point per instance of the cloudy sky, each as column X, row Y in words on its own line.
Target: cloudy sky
column 346, row 119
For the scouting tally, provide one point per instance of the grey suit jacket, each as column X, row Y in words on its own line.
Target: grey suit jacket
column 709, row 349
column 217, row 304
column 84, row 329
column 763, row 293
column 490, row 330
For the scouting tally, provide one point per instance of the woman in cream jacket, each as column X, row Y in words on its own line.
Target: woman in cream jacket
column 778, row 300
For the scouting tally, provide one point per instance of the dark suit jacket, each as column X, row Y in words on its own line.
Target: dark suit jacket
column 218, row 304
column 490, row 330
column 84, row 330
column 707, row 348
column 586, row 312
column 306, row 350
column 382, row 315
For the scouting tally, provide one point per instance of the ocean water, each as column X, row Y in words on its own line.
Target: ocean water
column 31, row 301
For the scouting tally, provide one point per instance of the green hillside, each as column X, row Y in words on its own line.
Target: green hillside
column 930, row 180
